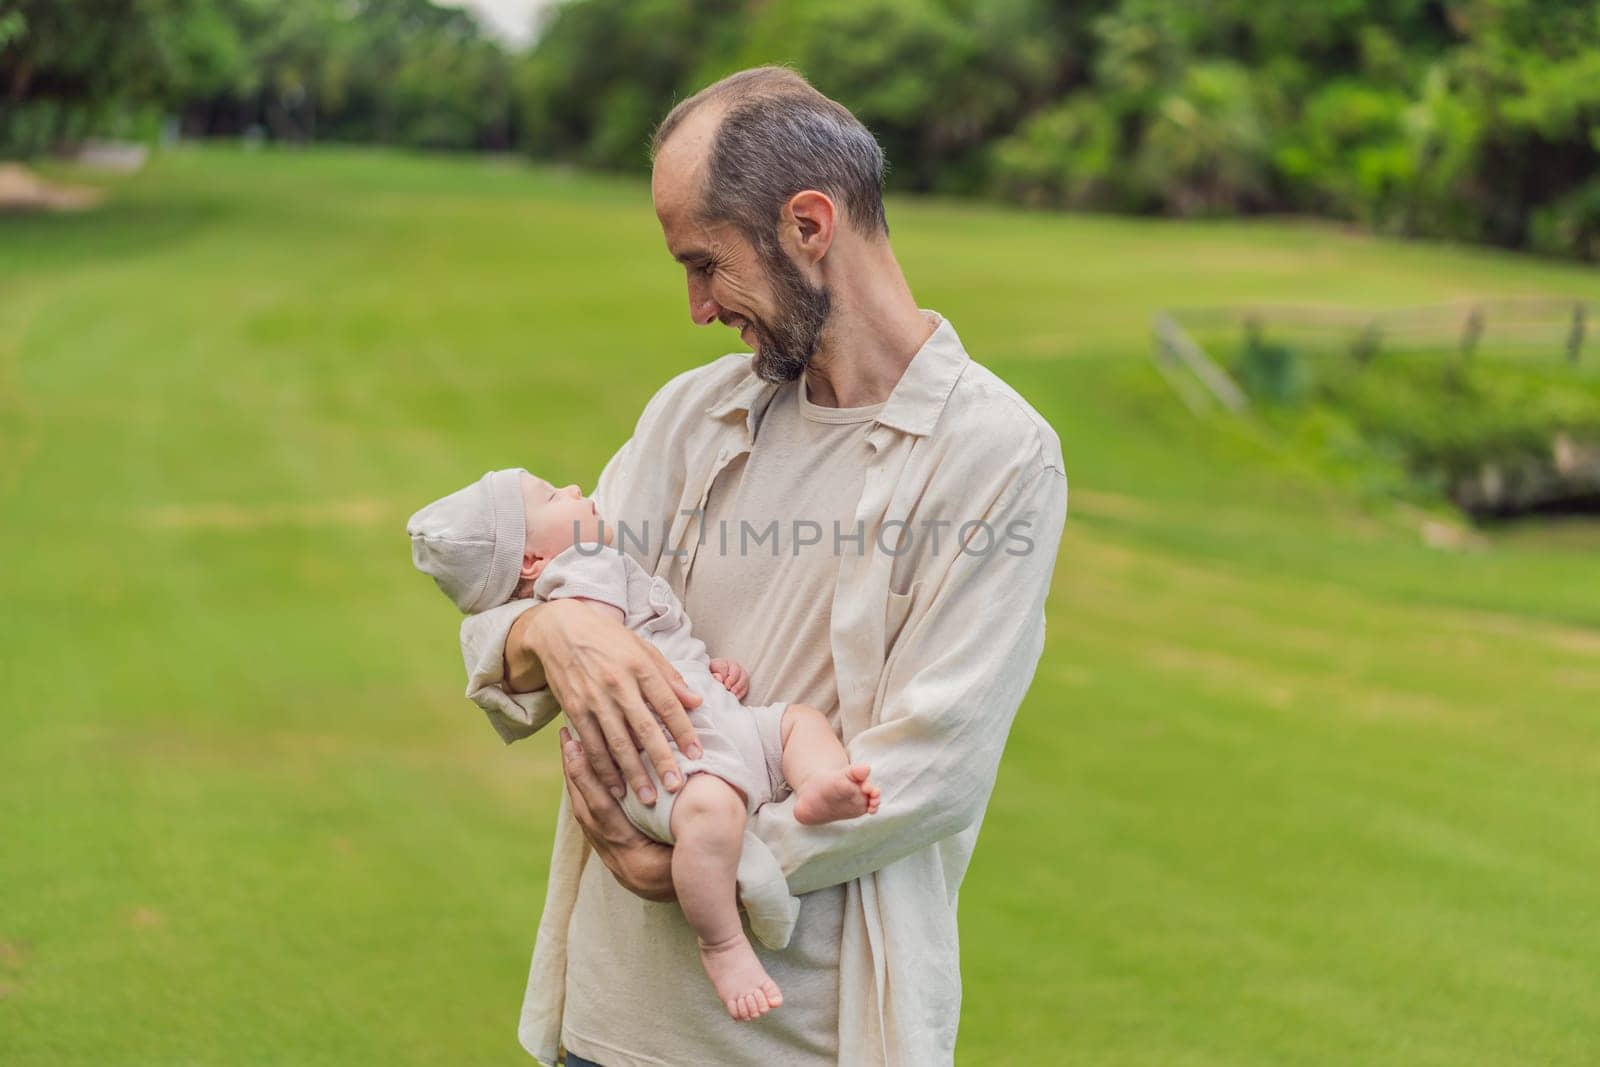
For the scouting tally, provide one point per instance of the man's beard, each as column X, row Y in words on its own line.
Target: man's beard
column 785, row 346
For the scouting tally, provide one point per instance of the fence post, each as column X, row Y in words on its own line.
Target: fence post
column 1213, row 377
column 1252, row 329
column 1575, row 335
column 1366, row 346
column 1471, row 332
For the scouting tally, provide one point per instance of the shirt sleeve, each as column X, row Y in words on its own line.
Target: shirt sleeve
column 483, row 647
column 953, row 682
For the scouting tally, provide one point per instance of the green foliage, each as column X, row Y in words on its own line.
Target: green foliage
column 1475, row 120
column 1449, row 422
column 1204, row 150
column 13, row 24
column 1570, row 224
column 1067, row 156
column 66, row 68
column 393, row 71
column 1425, row 418
column 1350, row 155
column 933, row 80
column 607, row 70
column 1271, row 372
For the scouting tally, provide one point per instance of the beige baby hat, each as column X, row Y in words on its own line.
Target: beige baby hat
column 471, row 541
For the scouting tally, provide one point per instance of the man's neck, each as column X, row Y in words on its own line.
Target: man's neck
column 873, row 332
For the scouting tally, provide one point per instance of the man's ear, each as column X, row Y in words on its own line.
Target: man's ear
column 807, row 223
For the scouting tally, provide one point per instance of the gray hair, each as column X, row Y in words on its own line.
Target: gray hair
column 779, row 136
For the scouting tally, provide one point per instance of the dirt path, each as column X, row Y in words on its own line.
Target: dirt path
column 23, row 190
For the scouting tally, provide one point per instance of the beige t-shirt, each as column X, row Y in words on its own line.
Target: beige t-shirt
column 760, row 591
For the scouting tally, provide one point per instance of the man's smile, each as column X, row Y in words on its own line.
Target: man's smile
column 740, row 323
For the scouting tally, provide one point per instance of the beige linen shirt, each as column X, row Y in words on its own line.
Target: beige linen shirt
column 937, row 627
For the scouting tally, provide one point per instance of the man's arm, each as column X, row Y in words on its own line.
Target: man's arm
column 954, row 681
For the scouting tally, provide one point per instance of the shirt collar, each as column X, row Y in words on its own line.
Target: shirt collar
column 913, row 406
column 742, row 397
column 919, row 396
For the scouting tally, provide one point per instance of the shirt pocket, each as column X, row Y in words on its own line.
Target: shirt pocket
column 896, row 612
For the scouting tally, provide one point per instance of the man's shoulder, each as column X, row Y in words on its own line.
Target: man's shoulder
column 983, row 412
column 701, row 387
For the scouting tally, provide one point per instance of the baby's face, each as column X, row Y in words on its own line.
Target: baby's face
column 559, row 518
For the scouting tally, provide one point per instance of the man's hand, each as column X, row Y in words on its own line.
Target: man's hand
column 734, row 678
column 608, row 680
column 640, row 865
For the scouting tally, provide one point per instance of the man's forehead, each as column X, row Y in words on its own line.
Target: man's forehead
column 677, row 179
column 676, row 201
column 689, row 238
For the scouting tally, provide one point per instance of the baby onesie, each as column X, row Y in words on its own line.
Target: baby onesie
column 741, row 745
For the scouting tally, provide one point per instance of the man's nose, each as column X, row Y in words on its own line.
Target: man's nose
column 703, row 310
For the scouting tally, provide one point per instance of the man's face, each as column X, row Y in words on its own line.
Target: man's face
column 764, row 296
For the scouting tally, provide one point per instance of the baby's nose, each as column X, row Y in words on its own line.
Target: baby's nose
column 572, row 491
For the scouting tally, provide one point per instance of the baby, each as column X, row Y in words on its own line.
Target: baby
column 511, row 535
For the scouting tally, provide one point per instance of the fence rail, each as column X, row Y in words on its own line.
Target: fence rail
column 1559, row 327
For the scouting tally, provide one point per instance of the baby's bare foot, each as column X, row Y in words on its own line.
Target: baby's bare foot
column 842, row 794
column 741, row 982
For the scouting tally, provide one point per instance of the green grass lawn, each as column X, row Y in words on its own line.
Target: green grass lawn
column 1291, row 787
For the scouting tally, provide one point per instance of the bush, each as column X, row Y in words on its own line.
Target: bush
column 1271, row 372
column 1068, row 156
column 1441, row 425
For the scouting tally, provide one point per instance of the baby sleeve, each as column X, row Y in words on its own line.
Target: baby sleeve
column 581, row 571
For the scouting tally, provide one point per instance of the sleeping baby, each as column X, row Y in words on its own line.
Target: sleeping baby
column 511, row 535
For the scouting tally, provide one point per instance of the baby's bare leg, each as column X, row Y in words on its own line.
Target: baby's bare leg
column 827, row 786
column 708, row 821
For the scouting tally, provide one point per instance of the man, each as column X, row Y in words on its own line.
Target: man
column 865, row 519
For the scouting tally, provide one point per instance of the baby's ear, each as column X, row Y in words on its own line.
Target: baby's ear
column 532, row 566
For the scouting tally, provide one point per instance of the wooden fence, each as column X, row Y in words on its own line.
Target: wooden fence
column 1539, row 328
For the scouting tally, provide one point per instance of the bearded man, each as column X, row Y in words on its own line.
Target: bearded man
column 859, row 514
